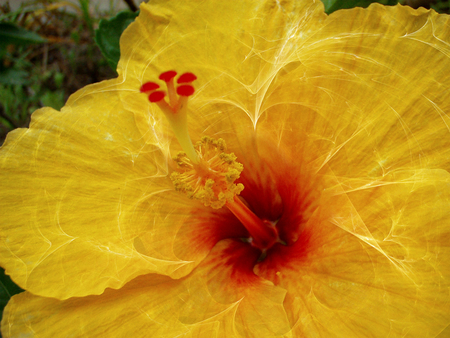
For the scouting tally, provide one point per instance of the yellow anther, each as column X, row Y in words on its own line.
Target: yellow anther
column 210, row 181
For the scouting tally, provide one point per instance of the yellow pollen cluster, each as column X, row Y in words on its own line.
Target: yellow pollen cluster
column 212, row 180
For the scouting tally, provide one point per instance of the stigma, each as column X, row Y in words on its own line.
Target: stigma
column 207, row 172
column 175, row 108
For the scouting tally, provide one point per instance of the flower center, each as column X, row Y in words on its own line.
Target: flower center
column 206, row 172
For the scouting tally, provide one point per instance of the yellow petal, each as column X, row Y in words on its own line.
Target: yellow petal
column 231, row 47
column 228, row 274
column 221, row 299
column 370, row 89
column 374, row 248
column 75, row 193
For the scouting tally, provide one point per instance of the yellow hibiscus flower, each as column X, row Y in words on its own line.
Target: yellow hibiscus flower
column 335, row 127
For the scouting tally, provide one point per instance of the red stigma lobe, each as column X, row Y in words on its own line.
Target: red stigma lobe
column 167, row 76
column 185, row 90
column 156, row 96
column 186, row 78
column 148, row 87
column 176, row 100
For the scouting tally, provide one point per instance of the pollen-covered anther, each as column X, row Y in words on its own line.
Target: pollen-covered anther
column 211, row 181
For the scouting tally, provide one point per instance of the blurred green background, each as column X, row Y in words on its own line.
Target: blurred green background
column 51, row 48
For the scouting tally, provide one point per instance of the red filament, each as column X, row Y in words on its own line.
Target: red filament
column 167, row 76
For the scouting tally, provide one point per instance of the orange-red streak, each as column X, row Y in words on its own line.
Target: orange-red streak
column 264, row 234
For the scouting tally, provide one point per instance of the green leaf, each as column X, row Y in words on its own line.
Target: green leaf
column 11, row 76
column 334, row 5
column 12, row 34
column 7, row 290
column 107, row 36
